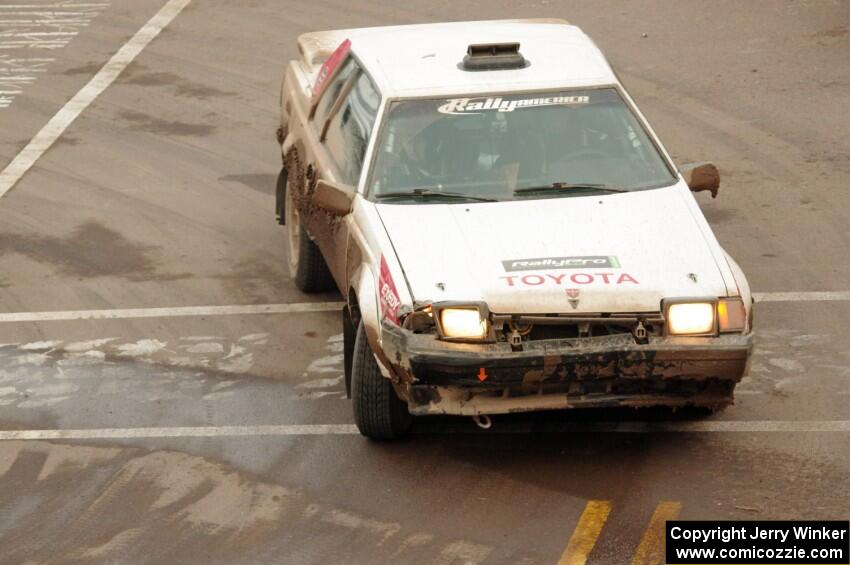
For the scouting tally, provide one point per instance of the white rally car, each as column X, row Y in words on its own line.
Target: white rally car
column 506, row 229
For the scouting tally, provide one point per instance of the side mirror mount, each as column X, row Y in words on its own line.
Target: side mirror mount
column 333, row 197
column 701, row 176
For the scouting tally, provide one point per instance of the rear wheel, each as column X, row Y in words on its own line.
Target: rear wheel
column 307, row 267
column 378, row 412
column 280, row 197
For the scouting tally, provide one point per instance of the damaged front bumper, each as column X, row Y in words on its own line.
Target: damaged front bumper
column 438, row 377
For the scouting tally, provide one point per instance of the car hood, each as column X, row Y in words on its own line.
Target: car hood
column 603, row 253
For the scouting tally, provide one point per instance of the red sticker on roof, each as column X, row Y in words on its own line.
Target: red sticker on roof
column 387, row 294
column 328, row 69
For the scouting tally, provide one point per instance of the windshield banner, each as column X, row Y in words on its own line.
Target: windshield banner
column 462, row 106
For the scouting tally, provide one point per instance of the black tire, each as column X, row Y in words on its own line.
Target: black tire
column 307, row 267
column 280, row 197
column 349, row 333
column 378, row 411
column 312, row 274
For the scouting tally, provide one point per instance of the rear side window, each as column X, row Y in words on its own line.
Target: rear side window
column 350, row 129
column 330, row 95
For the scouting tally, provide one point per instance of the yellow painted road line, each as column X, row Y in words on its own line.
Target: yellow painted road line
column 651, row 548
column 586, row 533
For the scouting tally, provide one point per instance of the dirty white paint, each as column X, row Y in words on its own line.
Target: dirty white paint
column 141, row 348
column 32, row 359
column 255, row 337
column 91, row 357
column 28, row 31
column 45, row 402
column 76, row 456
column 45, row 373
column 355, row 522
column 322, row 383
column 57, row 125
column 85, row 346
column 412, row 542
column 837, row 296
column 17, row 73
column 40, row 345
column 736, row 426
column 784, row 360
column 464, row 552
column 326, row 364
column 318, row 384
column 201, row 338
column 240, row 310
column 316, row 394
column 111, row 549
column 786, row 364
column 130, row 313
column 204, row 347
column 197, row 351
column 206, row 498
column 235, row 351
column 8, row 456
column 239, row 364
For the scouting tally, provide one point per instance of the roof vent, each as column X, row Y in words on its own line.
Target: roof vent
column 493, row 57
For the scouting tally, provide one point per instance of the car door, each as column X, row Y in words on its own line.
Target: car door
column 344, row 136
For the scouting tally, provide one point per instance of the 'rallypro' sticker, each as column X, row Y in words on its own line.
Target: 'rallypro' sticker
column 477, row 105
column 548, row 263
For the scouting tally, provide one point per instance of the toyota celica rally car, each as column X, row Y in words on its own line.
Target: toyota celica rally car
column 507, row 230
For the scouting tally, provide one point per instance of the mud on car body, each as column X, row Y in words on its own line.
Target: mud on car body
column 507, row 230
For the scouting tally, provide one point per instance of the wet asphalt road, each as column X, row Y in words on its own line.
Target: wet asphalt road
column 160, row 195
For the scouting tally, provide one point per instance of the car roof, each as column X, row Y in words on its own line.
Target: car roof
column 423, row 59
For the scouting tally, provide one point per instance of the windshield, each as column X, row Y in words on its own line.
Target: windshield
column 514, row 147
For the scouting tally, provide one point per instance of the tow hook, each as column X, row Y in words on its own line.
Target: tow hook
column 483, row 421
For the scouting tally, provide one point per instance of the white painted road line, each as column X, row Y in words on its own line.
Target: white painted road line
column 826, row 296
column 127, row 313
column 208, row 431
column 718, row 426
column 57, row 125
column 236, row 310
column 842, row 426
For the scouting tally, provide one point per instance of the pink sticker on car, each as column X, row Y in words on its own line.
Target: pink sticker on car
column 328, row 69
column 387, row 294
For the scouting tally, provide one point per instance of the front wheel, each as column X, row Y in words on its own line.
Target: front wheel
column 378, row 412
column 307, row 267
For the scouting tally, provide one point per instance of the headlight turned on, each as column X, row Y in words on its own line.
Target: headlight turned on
column 690, row 318
column 463, row 323
column 731, row 315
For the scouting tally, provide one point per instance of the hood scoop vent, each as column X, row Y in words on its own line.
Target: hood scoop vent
column 493, row 57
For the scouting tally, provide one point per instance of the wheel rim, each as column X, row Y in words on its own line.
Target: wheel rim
column 293, row 228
